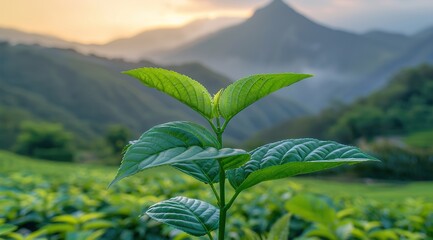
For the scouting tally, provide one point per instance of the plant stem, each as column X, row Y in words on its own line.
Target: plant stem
column 229, row 204
column 223, row 210
column 222, row 182
column 219, row 132
column 215, row 193
column 212, row 125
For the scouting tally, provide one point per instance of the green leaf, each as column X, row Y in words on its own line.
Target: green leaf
column 97, row 224
column 88, row 235
column 192, row 216
column 323, row 232
column 344, row 231
column 234, row 161
column 250, row 234
column 36, row 234
column 246, row 91
column 181, row 87
column 66, row 219
column 208, row 171
column 58, row 227
column 215, row 101
column 312, row 208
column 172, row 143
column 292, row 157
column 90, row 216
column 7, row 228
column 385, row 234
column 280, row 229
column 205, row 171
column 96, row 235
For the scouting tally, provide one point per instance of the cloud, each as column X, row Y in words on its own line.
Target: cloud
column 223, row 4
column 211, row 7
column 363, row 15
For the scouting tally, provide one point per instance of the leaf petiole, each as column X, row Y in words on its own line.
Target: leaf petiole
column 229, row 204
column 215, row 193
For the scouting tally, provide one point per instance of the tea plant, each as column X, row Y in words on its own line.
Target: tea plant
column 196, row 151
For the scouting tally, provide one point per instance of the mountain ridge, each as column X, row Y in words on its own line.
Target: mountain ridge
column 87, row 93
column 401, row 108
column 277, row 39
column 142, row 45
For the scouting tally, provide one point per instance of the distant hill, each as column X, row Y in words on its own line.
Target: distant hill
column 149, row 43
column 396, row 40
column 277, row 35
column 86, row 93
column 403, row 107
column 14, row 36
column 144, row 45
column 277, row 38
column 412, row 51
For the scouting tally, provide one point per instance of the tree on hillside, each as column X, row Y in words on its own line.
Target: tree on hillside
column 45, row 140
column 403, row 107
column 117, row 137
column 10, row 121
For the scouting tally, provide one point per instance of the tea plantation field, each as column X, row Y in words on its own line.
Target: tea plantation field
column 49, row 200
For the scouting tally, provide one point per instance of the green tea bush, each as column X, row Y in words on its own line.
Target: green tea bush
column 46, row 200
column 397, row 163
column 198, row 152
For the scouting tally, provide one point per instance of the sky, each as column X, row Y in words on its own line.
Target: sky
column 99, row 21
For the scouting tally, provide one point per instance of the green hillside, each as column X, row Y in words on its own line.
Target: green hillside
column 403, row 108
column 87, row 93
column 394, row 124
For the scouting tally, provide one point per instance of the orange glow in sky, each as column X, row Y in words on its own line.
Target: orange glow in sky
column 99, row 21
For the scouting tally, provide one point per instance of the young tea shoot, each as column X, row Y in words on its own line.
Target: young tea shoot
column 198, row 152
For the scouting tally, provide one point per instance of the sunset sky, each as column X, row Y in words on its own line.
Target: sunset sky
column 99, row 21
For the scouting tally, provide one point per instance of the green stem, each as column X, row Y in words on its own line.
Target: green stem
column 222, row 181
column 212, row 125
column 223, row 211
column 229, row 204
column 219, row 132
column 225, row 124
column 215, row 193
column 210, row 236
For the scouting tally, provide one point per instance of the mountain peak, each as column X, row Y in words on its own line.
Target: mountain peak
column 278, row 10
column 277, row 5
column 278, row 2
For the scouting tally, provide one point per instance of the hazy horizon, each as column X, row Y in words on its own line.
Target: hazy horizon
column 101, row 23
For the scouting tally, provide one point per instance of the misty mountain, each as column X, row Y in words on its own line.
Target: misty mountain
column 144, row 45
column 277, row 34
column 87, row 93
column 276, row 39
column 152, row 42
column 395, row 40
column 421, row 49
column 414, row 50
column 14, row 36
column 401, row 108
column 279, row 39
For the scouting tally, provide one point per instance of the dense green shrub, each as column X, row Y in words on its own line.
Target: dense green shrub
column 398, row 163
column 117, row 137
column 45, row 140
column 47, row 200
